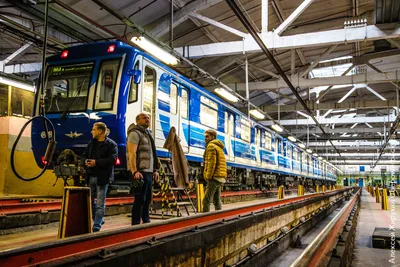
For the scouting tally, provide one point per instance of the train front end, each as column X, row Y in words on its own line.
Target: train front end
column 83, row 85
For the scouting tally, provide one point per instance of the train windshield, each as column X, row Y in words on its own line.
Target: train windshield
column 67, row 87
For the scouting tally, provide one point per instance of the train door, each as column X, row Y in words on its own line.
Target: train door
column 135, row 93
column 149, row 92
column 229, row 131
column 184, row 118
column 173, row 105
column 258, row 145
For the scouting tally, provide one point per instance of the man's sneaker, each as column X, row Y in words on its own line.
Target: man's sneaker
column 96, row 230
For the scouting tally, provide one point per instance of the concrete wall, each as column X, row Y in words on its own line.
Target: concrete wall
column 25, row 163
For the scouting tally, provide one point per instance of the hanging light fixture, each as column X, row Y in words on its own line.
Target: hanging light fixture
column 257, row 114
column 301, row 145
column 277, row 128
column 292, row 138
column 227, row 95
column 155, row 50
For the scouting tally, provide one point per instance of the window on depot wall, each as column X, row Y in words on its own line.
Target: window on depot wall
column 208, row 112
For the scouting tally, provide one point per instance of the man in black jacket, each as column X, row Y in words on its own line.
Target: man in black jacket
column 99, row 157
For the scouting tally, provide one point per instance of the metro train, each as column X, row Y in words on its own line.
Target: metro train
column 112, row 82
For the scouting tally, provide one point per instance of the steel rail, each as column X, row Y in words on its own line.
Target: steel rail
column 92, row 244
column 234, row 7
column 316, row 252
column 15, row 206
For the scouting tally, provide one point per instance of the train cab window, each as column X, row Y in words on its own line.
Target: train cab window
column 245, row 130
column 184, row 104
column 173, row 95
column 208, row 112
column 67, row 87
column 133, row 91
column 149, row 85
column 267, row 141
column 106, row 84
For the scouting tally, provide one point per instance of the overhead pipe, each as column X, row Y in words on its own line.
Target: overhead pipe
column 263, row 47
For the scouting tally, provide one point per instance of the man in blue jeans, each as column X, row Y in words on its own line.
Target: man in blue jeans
column 99, row 157
column 143, row 165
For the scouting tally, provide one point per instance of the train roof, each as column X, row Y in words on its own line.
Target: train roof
column 121, row 47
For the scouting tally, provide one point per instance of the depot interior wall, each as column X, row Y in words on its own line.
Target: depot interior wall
column 24, row 162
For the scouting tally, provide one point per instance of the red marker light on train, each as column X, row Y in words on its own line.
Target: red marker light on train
column 64, row 54
column 43, row 161
column 111, row 48
column 117, row 162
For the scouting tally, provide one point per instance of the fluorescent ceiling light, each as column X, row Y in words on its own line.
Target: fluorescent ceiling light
column 277, row 128
column 301, row 145
column 354, row 125
column 303, row 114
column 292, row 138
column 349, row 115
column 309, row 150
column 17, row 84
column 155, row 50
column 336, row 59
column 227, row 95
column 315, row 155
column 369, row 125
column 319, row 158
column 257, row 114
column 347, row 95
column 354, row 135
column 379, row 133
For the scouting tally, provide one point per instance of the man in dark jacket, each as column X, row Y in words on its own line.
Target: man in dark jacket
column 100, row 156
column 143, row 165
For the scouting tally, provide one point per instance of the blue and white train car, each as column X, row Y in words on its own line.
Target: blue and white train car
column 112, row 82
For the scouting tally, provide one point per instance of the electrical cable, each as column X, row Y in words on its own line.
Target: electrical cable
column 51, row 145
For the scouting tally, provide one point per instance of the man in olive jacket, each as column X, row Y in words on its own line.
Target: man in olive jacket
column 214, row 170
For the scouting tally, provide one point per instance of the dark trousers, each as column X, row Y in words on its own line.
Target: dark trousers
column 141, row 206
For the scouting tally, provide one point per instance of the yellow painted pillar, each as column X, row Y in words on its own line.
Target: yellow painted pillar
column 323, row 188
column 385, row 200
column 378, row 195
column 317, row 189
column 300, row 190
column 200, row 197
column 281, row 192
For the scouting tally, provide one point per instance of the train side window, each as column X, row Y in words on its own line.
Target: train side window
column 245, row 130
column 231, row 126
column 133, row 91
column 149, row 86
column 173, row 98
column 268, row 141
column 106, row 83
column 184, row 104
column 208, row 112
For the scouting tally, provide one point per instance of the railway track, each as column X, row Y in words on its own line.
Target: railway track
column 19, row 206
column 112, row 247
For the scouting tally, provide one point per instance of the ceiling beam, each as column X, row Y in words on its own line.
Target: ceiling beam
column 315, row 63
column 218, row 24
column 180, row 16
column 276, row 42
column 363, row 78
column 303, row 6
column 358, row 130
column 342, row 120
